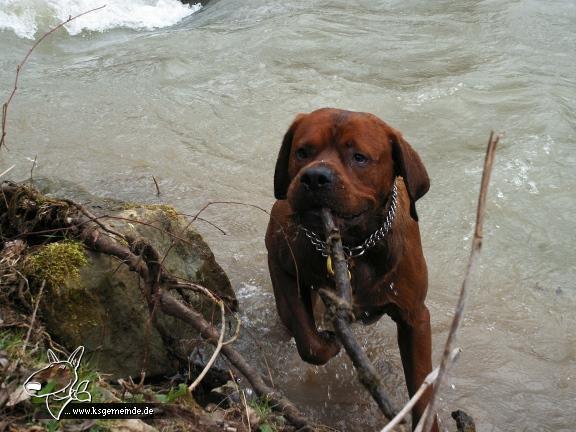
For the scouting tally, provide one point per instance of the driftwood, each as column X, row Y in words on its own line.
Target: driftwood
column 67, row 218
column 342, row 317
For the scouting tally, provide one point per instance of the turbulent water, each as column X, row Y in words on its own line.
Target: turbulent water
column 200, row 99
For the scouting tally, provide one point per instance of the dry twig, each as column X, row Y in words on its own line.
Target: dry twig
column 33, row 319
column 34, row 164
column 6, row 171
column 219, row 346
column 157, row 187
column 23, row 62
column 428, row 418
column 406, row 409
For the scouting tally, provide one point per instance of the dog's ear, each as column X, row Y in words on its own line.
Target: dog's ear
column 408, row 164
column 281, row 177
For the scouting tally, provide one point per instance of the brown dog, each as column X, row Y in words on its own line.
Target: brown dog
column 370, row 177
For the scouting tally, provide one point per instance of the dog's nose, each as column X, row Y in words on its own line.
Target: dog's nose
column 318, row 177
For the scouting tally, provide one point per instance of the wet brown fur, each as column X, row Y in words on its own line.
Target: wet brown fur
column 359, row 196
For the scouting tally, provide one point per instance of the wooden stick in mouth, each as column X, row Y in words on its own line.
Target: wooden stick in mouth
column 341, row 306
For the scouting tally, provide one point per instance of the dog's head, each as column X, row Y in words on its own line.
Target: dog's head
column 347, row 162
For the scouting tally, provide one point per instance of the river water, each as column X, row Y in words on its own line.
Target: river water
column 201, row 100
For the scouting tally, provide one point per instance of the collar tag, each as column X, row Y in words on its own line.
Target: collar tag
column 330, row 268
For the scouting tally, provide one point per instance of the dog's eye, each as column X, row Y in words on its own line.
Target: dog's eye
column 360, row 158
column 301, row 154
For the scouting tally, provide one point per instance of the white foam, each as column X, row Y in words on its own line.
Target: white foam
column 28, row 17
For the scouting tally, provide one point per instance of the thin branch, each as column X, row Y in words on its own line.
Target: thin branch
column 292, row 255
column 258, row 344
column 428, row 381
column 157, row 187
column 23, row 62
column 196, row 216
column 245, row 402
column 32, row 169
column 33, row 319
column 242, row 398
column 219, row 346
column 428, row 418
column 94, row 218
column 236, row 332
column 205, row 221
column 7, row 171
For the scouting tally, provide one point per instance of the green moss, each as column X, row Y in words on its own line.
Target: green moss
column 170, row 211
column 56, row 263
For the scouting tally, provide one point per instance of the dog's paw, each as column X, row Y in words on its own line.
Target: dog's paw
column 332, row 342
column 321, row 349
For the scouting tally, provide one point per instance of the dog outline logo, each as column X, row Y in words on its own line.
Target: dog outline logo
column 64, row 376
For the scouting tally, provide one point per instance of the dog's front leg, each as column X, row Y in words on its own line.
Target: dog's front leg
column 295, row 310
column 415, row 342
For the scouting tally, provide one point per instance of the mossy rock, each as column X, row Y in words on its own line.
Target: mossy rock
column 101, row 305
column 56, row 263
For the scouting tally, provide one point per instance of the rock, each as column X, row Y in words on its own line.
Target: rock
column 104, row 309
column 464, row 422
column 225, row 395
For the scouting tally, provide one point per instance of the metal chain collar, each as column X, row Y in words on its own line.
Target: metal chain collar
column 356, row 251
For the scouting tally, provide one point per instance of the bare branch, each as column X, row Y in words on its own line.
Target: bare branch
column 428, row 381
column 157, row 187
column 32, row 169
column 202, row 374
column 33, row 319
column 23, row 62
column 6, row 171
column 428, row 418
column 292, row 255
